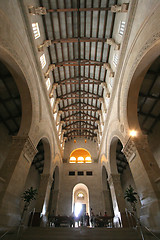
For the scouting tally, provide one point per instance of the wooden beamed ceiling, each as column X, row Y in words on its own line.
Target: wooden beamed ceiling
column 78, row 31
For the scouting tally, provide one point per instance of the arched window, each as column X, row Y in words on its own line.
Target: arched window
column 88, row 159
column 72, row 160
column 80, row 160
column 80, row 155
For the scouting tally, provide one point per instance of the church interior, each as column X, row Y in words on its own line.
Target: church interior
column 80, row 115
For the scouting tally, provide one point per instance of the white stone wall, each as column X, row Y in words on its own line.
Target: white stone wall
column 67, row 183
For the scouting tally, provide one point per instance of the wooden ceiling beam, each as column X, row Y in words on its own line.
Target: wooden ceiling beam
column 78, row 62
column 78, row 9
column 77, row 103
column 79, row 110
column 79, row 39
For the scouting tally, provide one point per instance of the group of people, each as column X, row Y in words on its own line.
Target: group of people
column 88, row 221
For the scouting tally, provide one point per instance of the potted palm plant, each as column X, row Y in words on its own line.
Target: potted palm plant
column 130, row 197
column 28, row 196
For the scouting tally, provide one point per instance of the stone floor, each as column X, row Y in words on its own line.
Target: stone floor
column 81, row 233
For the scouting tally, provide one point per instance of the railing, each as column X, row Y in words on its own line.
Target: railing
column 135, row 222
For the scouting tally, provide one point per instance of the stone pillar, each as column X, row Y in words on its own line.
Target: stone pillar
column 40, row 215
column 118, row 199
column 106, row 90
column 103, row 104
column 107, row 66
column 101, row 117
column 146, row 174
column 58, row 117
column 56, row 105
column 111, row 42
column 13, row 176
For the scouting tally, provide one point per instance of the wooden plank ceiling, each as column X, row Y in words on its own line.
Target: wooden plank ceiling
column 78, row 30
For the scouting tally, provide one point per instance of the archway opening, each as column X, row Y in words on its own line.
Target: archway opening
column 80, row 200
column 148, row 108
column 10, row 111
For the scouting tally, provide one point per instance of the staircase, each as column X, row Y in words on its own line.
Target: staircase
column 81, row 233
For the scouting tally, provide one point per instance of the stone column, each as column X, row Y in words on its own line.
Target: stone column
column 146, row 174
column 103, row 104
column 118, row 199
column 13, row 175
column 40, row 215
column 106, row 90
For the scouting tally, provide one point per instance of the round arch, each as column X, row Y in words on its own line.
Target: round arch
column 80, row 188
column 23, row 88
column 134, row 83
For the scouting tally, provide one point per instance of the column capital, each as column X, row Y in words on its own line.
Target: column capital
column 111, row 41
column 37, row 11
column 50, row 68
column 29, row 150
column 120, row 8
column 46, row 43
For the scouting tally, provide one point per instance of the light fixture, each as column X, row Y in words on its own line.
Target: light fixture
column 133, row 133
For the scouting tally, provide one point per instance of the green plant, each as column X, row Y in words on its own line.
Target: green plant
column 28, row 196
column 130, row 197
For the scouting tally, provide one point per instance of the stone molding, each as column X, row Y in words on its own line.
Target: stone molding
column 37, row 11
column 29, row 150
column 107, row 66
column 111, row 41
column 129, row 149
column 53, row 88
column 50, row 68
column 46, row 43
column 120, row 8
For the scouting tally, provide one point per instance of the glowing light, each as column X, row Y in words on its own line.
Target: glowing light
column 88, row 159
column 133, row 133
column 78, row 208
